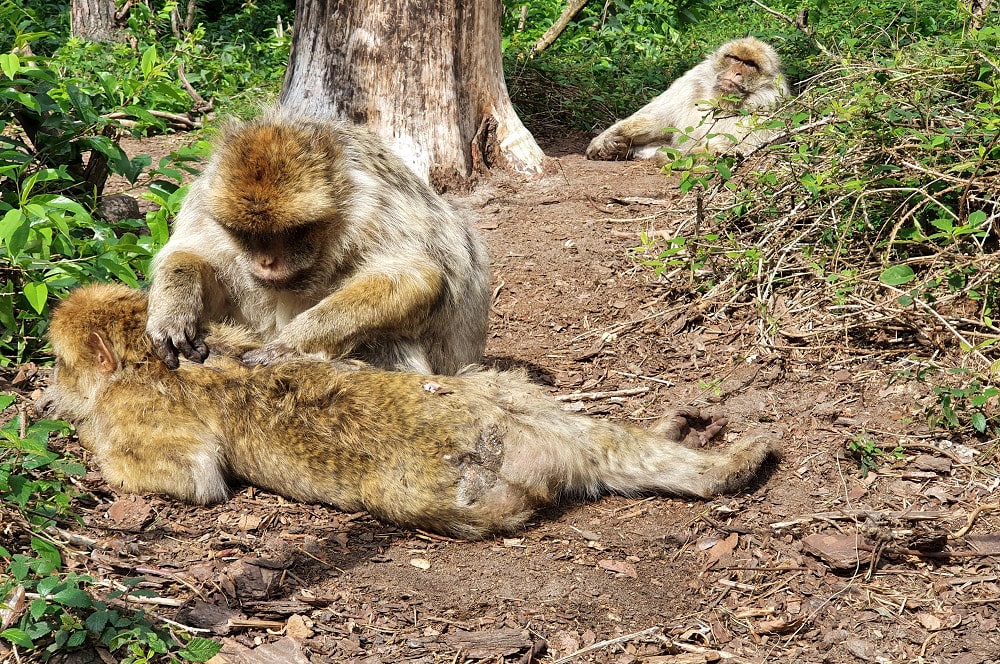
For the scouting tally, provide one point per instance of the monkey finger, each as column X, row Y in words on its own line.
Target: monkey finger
column 257, row 356
column 187, row 349
column 200, row 347
column 715, row 426
column 165, row 349
column 269, row 354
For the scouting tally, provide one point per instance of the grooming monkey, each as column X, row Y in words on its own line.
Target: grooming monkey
column 314, row 234
column 465, row 455
column 704, row 104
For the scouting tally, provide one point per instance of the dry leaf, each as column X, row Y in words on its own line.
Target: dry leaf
column 777, row 626
column 722, row 548
column 420, row 563
column 929, row 621
column 619, row 566
column 297, row 628
column 249, row 522
column 11, row 607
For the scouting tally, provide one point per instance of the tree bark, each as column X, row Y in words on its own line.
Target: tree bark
column 94, row 20
column 425, row 75
column 979, row 9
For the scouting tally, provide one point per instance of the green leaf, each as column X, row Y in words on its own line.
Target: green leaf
column 148, row 61
column 73, row 597
column 979, row 422
column 14, row 223
column 37, row 608
column 36, row 294
column 76, row 639
column 977, row 218
column 48, row 553
column 10, row 64
column 199, row 649
column 6, row 400
column 47, row 585
column 97, row 621
column 897, row 275
column 18, row 637
column 81, row 102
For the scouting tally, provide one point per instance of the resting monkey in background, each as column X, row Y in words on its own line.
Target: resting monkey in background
column 466, row 455
column 314, row 234
column 704, row 104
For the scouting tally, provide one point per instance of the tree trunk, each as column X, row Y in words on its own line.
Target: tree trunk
column 94, row 20
column 425, row 75
column 979, row 9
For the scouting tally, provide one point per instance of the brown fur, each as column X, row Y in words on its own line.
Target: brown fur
column 315, row 235
column 466, row 455
column 705, row 105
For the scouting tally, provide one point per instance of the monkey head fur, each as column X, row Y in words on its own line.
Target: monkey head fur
column 311, row 232
column 741, row 66
column 274, row 177
column 707, row 106
column 464, row 455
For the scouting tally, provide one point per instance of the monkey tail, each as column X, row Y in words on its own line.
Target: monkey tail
column 573, row 454
column 643, row 461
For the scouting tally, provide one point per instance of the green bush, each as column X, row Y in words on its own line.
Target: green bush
column 876, row 210
column 58, row 145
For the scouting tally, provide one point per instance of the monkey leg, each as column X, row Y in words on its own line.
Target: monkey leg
column 182, row 285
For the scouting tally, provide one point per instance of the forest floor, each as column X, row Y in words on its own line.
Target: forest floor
column 813, row 563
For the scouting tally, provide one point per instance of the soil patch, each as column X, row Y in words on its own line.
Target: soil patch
column 814, row 563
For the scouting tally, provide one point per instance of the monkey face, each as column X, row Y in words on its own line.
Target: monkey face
column 284, row 260
column 738, row 75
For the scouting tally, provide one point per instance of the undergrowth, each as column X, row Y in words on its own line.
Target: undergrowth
column 872, row 223
column 47, row 606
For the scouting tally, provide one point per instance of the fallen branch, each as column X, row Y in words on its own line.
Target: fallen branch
column 200, row 105
column 178, row 121
column 858, row 515
column 593, row 396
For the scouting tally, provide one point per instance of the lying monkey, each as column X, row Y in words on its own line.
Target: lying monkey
column 464, row 455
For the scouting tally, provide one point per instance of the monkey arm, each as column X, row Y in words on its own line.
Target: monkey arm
column 183, row 284
column 369, row 304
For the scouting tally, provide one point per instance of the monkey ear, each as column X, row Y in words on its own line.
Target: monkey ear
column 106, row 360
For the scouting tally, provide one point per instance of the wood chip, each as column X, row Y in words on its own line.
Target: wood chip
column 837, row 551
column 620, row 566
column 130, row 512
column 489, row 644
column 929, row 462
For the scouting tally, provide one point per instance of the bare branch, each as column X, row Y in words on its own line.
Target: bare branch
column 552, row 33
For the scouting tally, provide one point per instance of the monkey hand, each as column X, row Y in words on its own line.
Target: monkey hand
column 608, row 146
column 177, row 334
column 689, row 425
column 271, row 353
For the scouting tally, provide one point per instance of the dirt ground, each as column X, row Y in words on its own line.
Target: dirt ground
column 781, row 572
